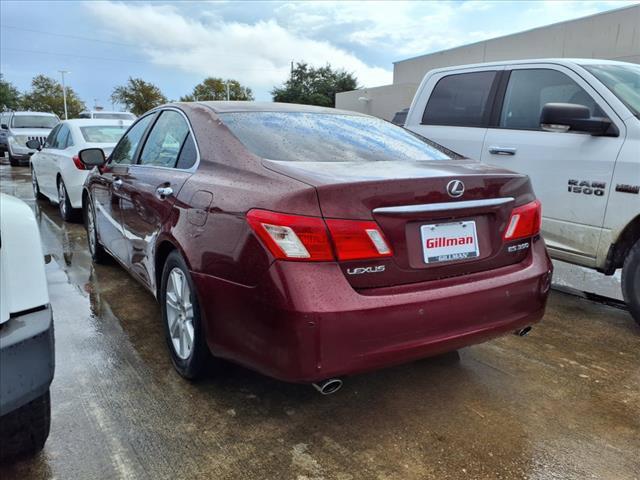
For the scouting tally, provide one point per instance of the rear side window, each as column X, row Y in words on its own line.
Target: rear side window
column 530, row 89
column 461, row 100
column 188, row 154
column 126, row 149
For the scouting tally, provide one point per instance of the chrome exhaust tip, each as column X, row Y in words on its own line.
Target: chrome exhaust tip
column 523, row 332
column 327, row 387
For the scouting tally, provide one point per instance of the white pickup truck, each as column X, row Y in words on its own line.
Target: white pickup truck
column 573, row 126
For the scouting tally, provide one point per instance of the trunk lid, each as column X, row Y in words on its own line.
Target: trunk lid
column 410, row 203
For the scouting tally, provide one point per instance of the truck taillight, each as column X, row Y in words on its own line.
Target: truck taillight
column 525, row 221
column 298, row 237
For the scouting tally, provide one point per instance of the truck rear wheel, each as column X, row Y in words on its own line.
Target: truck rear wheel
column 25, row 430
column 631, row 281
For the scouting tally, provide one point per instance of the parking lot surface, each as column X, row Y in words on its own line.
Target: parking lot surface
column 562, row 403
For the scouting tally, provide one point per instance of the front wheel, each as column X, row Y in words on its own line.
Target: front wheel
column 181, row 318
column 98, row 253
column 26, row 429
column 631, row 281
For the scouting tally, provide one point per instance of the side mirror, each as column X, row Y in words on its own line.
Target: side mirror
column 4, row 126
column 34, row 144
column 562, row 117
column 92, row 157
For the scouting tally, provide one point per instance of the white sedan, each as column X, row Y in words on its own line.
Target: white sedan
column 56, row 171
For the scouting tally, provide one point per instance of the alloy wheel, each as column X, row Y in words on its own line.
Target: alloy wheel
column 34, row 183
column 179, row 310
column 62, row 199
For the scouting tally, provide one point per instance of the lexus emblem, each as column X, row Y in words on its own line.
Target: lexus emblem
column 455, row 188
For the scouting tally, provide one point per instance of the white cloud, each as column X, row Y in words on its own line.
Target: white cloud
column 257, row 54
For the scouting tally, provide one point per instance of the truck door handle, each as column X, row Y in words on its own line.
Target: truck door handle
column 117, row 183
column 164, row 192
column 502, row 150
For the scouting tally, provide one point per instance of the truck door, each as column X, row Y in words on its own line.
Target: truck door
column 454, row 108
column 571, row 172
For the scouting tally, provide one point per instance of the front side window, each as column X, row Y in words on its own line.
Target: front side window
column 461, row 100
column 327, row 137
column 165, row 140
column 34, row 121
column 125, row 151
column 530, row 89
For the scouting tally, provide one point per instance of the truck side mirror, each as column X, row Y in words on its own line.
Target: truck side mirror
column 564, row 117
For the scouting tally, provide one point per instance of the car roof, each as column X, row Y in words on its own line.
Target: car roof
column 243, row 106
column 40, row 114
column 568, row 62
column 85, row 122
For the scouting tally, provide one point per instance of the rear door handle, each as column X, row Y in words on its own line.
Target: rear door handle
column 164, row 192
column 502, row 150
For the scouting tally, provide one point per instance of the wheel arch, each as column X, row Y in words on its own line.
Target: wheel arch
column 618, row 250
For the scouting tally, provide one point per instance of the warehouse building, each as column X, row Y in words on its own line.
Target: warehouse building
column 612, row 35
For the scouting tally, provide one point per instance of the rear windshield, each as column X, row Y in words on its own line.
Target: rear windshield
column 114, row 116
column 34, row 121
column 324, row 137
column 103, row 133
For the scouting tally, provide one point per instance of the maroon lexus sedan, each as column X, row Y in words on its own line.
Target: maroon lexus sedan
column 310, row 243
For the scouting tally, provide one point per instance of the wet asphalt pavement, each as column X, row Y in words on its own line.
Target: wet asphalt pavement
column 563, row 403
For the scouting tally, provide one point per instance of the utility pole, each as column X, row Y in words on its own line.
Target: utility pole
column 64, row 93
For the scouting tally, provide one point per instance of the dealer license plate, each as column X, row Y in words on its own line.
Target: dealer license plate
column 447, row 242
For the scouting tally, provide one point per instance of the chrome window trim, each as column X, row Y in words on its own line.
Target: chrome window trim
column 440, row 207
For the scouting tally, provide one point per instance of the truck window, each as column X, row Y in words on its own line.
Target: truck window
column 530, row 89
column 460, row 100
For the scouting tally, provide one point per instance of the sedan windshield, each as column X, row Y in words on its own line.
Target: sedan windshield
column 34, row 121
column 622, row 80
column 324, row 137
column 103, row 133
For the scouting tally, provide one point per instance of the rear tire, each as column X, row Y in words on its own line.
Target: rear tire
column 181, row 318
column 36, row 187
column 25, row 430
column 631, row 281
column 98, row 254
column 67, row 212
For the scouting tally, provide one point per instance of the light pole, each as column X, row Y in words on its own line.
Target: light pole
column 64, row 93
column 227, row 90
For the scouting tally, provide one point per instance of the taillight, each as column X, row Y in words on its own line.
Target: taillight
column 293, row 237
column 297, row 237
column 76, row 161
column 357, row 239
column 525, row 221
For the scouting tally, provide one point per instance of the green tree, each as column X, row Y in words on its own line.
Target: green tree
column 314, row 86
column 216, row 89
column 9, row 96
column 46, row 96
column 138, row 96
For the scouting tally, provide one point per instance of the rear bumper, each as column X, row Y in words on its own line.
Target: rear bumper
column 305, row 323
column 26, row 359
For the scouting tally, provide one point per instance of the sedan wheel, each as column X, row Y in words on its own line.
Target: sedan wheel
column 35, row 186
column 67, row 212
column 98, row 253
column 181, row 315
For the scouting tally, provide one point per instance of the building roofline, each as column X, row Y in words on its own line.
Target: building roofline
column 636, row 5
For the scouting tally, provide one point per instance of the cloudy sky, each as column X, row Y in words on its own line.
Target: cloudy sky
column 177, row 44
